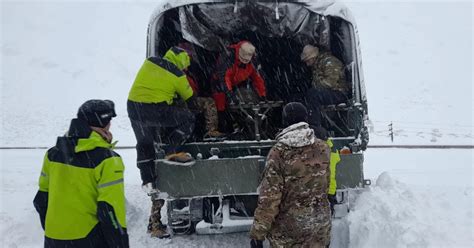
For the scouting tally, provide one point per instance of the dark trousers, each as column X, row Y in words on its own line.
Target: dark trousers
column 315, row 98
column 161, row 124
column 95, row 239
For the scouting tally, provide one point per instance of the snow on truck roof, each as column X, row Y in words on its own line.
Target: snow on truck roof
column 322, row 7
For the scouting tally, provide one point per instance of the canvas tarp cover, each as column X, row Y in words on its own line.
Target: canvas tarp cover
column 213, row 25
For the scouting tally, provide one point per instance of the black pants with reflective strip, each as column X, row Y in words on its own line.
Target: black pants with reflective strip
column 158, row 123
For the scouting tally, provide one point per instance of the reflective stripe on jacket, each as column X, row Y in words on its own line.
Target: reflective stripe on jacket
column 160, row 79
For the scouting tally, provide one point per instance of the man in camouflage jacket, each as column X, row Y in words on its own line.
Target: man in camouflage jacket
column 293, row 208
column 329, row 85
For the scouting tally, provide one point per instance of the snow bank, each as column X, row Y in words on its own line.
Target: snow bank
column 393, row 214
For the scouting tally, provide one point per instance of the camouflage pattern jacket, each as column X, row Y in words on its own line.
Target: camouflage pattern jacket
column 293, row 191
column 328, row 73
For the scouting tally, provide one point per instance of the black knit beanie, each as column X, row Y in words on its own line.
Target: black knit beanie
column 97, row 113
column 293, row 113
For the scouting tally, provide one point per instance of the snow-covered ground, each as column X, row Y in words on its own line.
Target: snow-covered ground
column 418, row 68
column 423, row 198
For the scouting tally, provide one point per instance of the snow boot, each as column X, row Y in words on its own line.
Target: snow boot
column 215, row 134
column 160, row 233
column 155, row 228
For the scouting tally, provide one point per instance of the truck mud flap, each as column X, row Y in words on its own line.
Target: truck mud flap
column 349, row 171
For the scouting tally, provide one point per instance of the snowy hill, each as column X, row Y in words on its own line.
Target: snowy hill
column 418, row 71
column 57, row 55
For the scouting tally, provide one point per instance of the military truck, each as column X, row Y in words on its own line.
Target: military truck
column 218, row 193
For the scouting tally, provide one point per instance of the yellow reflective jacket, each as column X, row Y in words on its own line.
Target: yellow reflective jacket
column 78, row 174
column 160, row 79
column 333, row 161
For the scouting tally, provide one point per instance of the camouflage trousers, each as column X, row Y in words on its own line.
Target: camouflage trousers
column 208, row 107
column 154, row 222
column 319, row 239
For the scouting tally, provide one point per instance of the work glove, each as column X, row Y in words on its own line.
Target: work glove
column 332, row 201
column 256, row 243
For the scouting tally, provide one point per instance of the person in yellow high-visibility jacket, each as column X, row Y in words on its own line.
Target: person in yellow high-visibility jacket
column 156, row 118
column 154, row 114
column 321, row 133
column 333, row 161
column 81, row 200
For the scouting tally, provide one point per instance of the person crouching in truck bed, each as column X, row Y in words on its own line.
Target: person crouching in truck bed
column 293, row 208
column 157, row 119
column 81, row 201
column 329, row 85
column 234, row 72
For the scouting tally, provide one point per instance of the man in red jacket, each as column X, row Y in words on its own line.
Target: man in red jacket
column 235, row 72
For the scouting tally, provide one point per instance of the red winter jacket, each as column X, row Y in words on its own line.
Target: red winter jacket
column 239, row 73
column 231, row 72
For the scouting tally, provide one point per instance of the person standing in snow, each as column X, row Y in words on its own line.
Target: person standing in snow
column 335, row 158
column 293, row 208
column 329, row 85
column 152, row 109
column 81, row 201
column 234, row 74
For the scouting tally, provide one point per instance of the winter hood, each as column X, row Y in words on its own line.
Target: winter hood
column 178, row 57
column 236, row 48
column 297, row 135
column 92, row 142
